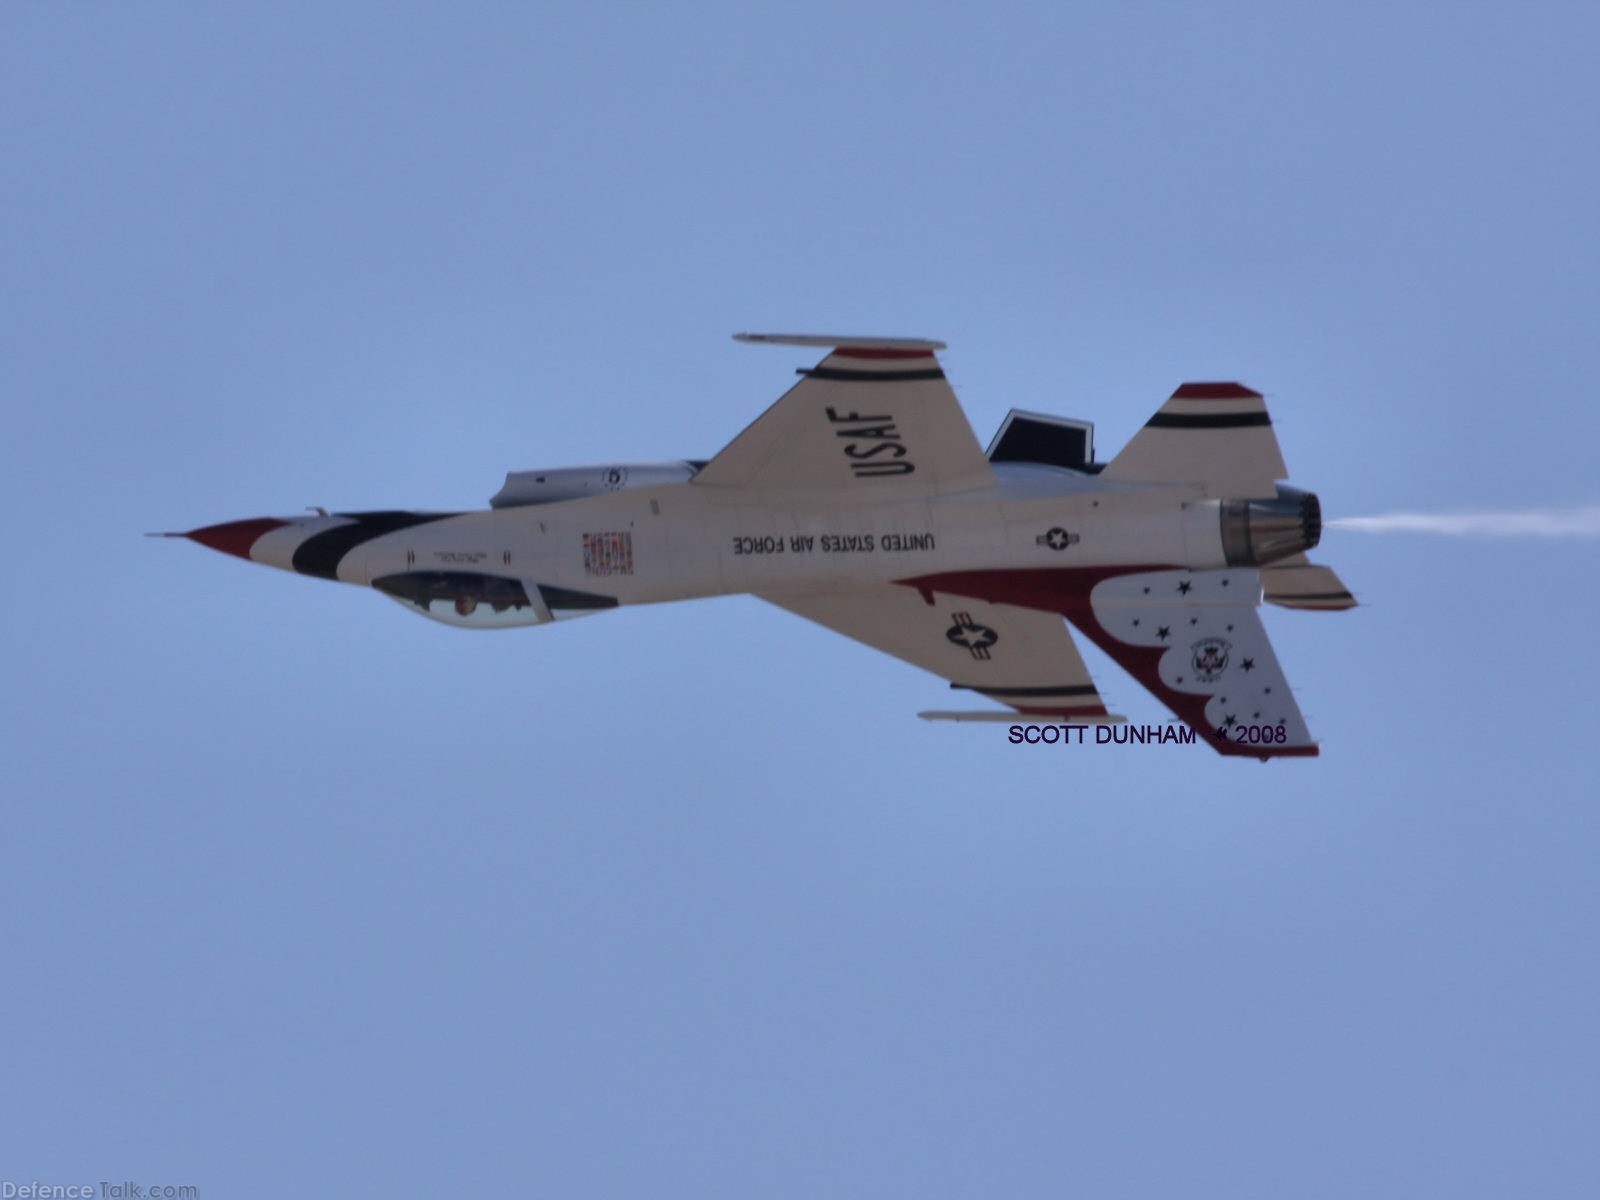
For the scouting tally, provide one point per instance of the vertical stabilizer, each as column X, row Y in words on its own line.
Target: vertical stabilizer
column 1214, row 435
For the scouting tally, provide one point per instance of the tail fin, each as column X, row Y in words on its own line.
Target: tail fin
column 1215, row 435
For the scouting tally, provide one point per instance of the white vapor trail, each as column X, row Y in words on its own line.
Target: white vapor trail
column 1583, row 521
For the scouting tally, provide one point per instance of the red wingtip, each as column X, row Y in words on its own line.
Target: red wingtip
column 1215, row 391
column 235, row 537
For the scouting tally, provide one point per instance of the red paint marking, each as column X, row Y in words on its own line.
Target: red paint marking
column 1143, row 662
column 235, row 537
column 1051, row 589
column 1065, row 590
column 1215, row 391
column 876, row 352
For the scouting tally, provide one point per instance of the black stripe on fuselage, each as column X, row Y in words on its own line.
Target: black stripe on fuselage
column 1207, row 420
column 319, row 555
column 1068, row 690
column 841, row 375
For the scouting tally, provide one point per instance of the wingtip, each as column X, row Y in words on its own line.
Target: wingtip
column 840, row 341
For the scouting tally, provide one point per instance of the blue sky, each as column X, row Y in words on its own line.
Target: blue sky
column 302, row 894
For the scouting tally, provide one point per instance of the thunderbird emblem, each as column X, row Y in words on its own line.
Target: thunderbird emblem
column 1209, row 658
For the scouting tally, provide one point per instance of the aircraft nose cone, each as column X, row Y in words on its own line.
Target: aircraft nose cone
column 235, row 537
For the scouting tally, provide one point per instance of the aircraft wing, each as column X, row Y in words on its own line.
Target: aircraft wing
column 875, row 418
column 1195, row 640
column 1018, row 656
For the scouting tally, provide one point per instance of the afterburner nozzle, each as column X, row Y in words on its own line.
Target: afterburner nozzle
column 1258, row 532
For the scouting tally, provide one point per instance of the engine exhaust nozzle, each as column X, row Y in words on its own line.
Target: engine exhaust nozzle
column 1258, row 532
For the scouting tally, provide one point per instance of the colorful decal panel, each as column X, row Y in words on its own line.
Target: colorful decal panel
column 608, row 553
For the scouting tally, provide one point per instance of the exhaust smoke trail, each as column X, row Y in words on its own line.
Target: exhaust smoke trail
column 1581, row 522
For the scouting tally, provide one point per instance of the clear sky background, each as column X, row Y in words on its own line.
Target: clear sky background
column 301, row 895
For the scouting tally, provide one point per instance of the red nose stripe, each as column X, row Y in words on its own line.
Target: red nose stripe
column 235, row 537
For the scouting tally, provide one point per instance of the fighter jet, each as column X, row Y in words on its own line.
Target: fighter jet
column 862, row 501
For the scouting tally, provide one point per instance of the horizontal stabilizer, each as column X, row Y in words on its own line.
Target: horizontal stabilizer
column 1298, row 583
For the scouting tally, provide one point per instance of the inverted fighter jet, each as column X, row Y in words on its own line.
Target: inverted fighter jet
column 862, row 501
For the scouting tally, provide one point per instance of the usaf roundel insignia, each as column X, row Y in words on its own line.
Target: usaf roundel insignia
column 1056, row 538
column 1209, row 657
column 967, row 633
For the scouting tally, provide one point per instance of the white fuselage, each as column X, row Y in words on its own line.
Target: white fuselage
column 683, row 541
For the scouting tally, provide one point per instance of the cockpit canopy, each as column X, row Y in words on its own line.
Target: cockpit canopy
column 474, row 600
column 465, row 598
